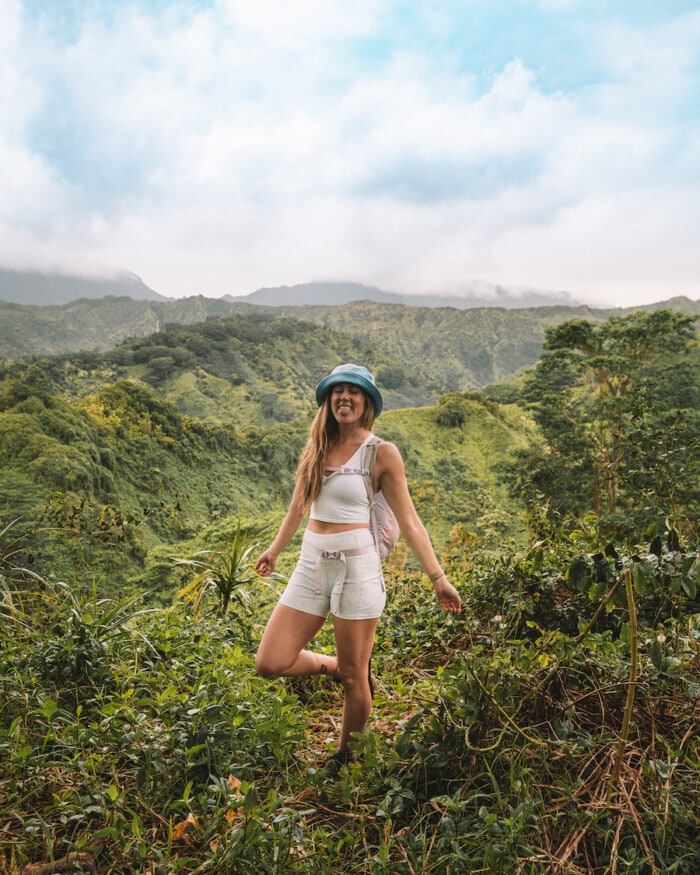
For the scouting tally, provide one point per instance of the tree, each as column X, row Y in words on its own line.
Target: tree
column 597, row 395
column 452, row 411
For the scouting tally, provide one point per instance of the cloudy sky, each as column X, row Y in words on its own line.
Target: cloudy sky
column 221, row 146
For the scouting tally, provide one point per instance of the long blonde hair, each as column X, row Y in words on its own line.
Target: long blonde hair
column 323, row 434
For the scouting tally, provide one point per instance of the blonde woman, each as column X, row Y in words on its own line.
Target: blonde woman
column 339, row 572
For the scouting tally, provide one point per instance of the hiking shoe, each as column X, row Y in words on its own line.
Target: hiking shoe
column 335, row 763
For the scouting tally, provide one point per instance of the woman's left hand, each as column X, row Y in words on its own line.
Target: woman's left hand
column 447, row 596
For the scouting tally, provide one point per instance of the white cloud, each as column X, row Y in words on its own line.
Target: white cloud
column 282, row 21
column 620, row 250
column 249, row 145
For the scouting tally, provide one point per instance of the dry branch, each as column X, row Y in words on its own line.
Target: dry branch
column 65, row 864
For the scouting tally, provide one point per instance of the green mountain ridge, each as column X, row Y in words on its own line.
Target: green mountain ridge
column 462, row 350
column 123, row 468
column 457, row 349
column 246, row 370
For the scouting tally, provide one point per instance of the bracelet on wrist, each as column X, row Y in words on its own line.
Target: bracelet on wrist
column 436, row 575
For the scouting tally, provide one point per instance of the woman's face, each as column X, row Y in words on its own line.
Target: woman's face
column 348, row 403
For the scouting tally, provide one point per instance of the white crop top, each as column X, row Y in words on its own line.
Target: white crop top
column 343, row 496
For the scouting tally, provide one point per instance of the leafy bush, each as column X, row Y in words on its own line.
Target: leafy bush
column 225, row 572
column 558, row 585
column 451, row 412
column 74, row 654
column 133, row 740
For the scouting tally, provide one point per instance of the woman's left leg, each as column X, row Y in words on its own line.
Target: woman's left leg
column 281, row 651
column 354, row 640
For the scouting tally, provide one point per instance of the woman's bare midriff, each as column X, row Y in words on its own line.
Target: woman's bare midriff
column 321, row 528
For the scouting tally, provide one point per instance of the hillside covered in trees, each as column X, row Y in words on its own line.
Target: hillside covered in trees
column 460, row 349
column 551, row 727
column 202, row 423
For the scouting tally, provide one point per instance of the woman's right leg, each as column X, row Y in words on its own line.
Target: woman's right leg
column 282, row 649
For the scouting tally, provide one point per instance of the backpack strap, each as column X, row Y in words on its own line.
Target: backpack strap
column 366, row 469
column 369, row 458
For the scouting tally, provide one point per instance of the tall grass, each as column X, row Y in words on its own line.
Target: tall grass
column 502, row 740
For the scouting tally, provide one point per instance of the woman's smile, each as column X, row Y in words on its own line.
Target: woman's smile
column 347, row 399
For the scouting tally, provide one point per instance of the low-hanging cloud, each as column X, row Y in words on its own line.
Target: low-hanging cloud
column 221, row 148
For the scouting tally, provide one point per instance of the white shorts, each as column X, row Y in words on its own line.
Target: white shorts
column 337, row 574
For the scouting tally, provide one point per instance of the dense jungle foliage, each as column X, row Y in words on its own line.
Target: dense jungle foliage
column 551, row 727
column 458, row 350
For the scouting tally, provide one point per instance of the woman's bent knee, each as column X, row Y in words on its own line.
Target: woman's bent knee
column 266, row 668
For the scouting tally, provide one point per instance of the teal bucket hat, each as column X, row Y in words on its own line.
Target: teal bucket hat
column 358, row 376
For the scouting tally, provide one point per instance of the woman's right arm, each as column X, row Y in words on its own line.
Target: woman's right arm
column 267, row 563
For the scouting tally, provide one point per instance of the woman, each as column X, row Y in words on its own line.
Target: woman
column 339, row 570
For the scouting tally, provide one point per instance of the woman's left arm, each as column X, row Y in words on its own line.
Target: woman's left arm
column 391, row 479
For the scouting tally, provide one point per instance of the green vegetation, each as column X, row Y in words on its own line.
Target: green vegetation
column 95, row 457
column 458, row 350
column 247, row 370
column 225, row 572
column 618, row 408
column 549, row 728
column 144, row 742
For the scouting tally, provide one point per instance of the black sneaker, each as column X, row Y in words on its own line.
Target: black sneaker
column 335, row 763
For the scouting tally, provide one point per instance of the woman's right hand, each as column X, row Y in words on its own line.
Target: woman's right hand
column 266, row 564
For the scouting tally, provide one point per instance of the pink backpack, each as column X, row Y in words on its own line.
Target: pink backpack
column 382, row 522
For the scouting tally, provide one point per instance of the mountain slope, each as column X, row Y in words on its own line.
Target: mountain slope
column 455, row 349
column 100, row 323
column 110, row 486
column 460, row 349
column 245, row 370
column 95, row 324
column 331, row 294
column 41, row 289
